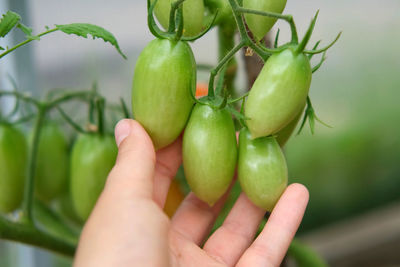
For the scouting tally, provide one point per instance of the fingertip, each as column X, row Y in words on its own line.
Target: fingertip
column 130, row 136
column 122, row 130
column 299, row 191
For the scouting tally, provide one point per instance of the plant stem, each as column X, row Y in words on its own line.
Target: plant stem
column 30, row 178
column 226, row 41
column 27, row 41
column 24, row 97
column 27, row 233
column 287, row 18
column 215, row 71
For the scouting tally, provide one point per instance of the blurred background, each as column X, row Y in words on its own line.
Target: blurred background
column 352, row 170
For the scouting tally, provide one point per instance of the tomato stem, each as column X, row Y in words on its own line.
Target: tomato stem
column 30, row 39
column 179, row 19
column 70, row 121
column 30, row 177
column 174, row 7
column 124, row 108
column 151, row 22
column 287, row 18
column 226, row 41
column 215, row 71
column 100, row 106
column 29, row 234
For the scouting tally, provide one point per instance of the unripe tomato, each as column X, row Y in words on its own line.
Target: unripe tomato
column 279, row 93
column 93, row 156
column 13, row 167
column 51, row 172
column 262, row 170
column 209, row 152
column 193, row 15
column 261, row 25
column 161, row 99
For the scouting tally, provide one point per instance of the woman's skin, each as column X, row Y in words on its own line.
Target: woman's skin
column 129, row 228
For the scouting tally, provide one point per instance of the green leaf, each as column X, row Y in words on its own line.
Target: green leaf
column 8, row 22
column 28, row 32
column 83, row 29
column 2, row 48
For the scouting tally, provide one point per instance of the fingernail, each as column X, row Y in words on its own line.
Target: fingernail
column 122, row 130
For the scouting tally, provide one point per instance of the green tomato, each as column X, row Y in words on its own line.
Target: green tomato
column 161, row 99
column 93, row 156
column 283, row 135
column 279, row 93
column 209, row 152
column 193, row 15
column 51, row 172
column 262, row 170
column 261, row 25
column 13, row 167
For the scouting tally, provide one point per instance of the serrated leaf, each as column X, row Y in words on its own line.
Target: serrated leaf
column 8, row 22
column 83, row 29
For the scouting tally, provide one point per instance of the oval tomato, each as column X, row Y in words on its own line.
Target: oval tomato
column 51, row 172
column 209, row 152
column 193, row 15
column 161, row 99
column 13, row 167
column 262, row 170
column 261, row 25
column 93, row 156
column 279, row 93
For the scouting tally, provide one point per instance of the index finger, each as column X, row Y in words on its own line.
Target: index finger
column 271, row 245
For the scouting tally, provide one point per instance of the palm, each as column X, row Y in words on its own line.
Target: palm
column 129, row 228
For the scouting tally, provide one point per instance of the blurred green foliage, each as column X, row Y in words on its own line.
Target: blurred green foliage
column 354, row 167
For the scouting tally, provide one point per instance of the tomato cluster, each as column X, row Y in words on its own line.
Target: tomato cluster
column 163, row 98
column 164, row 102
column 83, row 177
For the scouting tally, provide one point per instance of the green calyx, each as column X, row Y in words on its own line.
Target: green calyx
column 301, row 48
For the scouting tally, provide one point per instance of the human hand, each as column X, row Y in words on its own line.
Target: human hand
column 129, row 228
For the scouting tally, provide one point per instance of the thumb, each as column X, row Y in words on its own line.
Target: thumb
column 134, row 168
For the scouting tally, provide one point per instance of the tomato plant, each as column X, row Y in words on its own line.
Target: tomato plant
column 165, row 101
column 13, row 165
